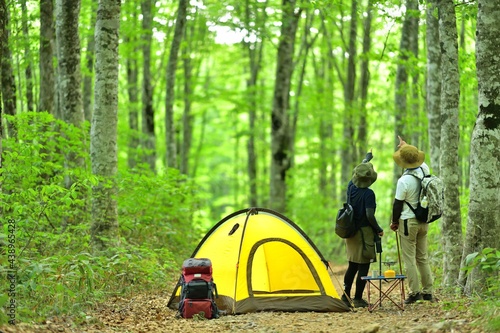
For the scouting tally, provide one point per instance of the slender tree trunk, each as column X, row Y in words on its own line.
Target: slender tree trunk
column 28, row 71
column 46, row 53
column 187, row 117
column 103, row 144
column 148, row 113
column 133, row 114
column 3, row 34
column 324, row 72
column 89, row 65
column 433, row 85
column 180, row 23
column 8, row 84
column 416, row 137
column 451, row 223
column 483, row 220
column 348, row 150
column 365, row 80
column 307, row 41
column 280, row 122
column 402, row 82
column 254, row 53
column 68, row 39
column 68, row 54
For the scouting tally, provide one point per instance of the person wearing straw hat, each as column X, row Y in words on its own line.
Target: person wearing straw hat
column 361, row 247
column 412, row 233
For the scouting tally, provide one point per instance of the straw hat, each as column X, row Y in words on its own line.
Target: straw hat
column 364, row 175
column 409, row 157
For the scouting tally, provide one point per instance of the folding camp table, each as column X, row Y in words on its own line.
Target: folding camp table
column 397, row 281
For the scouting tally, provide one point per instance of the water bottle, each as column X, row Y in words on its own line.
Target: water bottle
column 424, row 203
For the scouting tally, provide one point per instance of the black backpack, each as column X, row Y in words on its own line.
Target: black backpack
column 345, row 226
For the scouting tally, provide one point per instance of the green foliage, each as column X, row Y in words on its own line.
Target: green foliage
column 487, row 311
column 56, row 270
column 157, row 210
column 488, row 261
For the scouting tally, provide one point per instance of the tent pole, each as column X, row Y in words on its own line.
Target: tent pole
column 251, row 211
column 338, row 282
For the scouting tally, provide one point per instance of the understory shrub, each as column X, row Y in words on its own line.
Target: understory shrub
column 46, row 219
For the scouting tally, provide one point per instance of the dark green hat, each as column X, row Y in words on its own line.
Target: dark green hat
column 364, row 175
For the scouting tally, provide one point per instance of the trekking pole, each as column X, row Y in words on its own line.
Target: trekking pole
column 399, row 254
column 378, row 247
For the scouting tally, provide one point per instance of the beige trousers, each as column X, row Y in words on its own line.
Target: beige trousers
column 413, row 236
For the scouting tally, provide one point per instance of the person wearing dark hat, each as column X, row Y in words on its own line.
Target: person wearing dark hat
column 412, row 233
column 361, row 247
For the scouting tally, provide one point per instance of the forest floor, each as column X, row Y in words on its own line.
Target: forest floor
column 149, row 313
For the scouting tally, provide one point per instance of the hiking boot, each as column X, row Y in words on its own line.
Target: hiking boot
column 413, row 298
column 428, row 297
column 360, row 303
column 346, row 301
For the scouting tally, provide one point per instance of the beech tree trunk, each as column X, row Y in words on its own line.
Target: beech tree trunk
column 451, row 222
column 433, row 86
column 68, row 59
column 171, row 143
column 280, row 120
column 415, row 115
column 8, row 84
column 483, row 220
column 254, row 53
column 348, row 150
column 3, row 30
column 46, row 54
column 187, row 117
column 28, row 71
column 103, row 134
column 400, row 99
column 69, row 75
column 364, row 81
column 133, row 112
column 148, row 113
column 89, row 64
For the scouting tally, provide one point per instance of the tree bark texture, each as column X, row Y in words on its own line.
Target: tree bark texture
column 89, row 64
column 46, row 54
column 365, row 80
column 180, row 23
column 3, row 29
column 28, row 71
column 8, row 84
column 415, row 115
column 254, row 52
column 348, row 150
column 483, row 220
column 451, row 222
column 400, row 98
column 187, row 117
column 280, row 120
column 103, row 145
column 148, row 113
column 433, row 85
column 133, row 112
column 68, row 59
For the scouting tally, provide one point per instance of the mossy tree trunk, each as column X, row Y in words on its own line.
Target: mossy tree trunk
column 103, row 144
column 451, row 222
column 483, row 220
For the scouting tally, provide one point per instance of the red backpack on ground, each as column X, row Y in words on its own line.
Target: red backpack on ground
column 198, row 290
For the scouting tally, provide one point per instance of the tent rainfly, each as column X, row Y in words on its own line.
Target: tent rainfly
column 262, row 261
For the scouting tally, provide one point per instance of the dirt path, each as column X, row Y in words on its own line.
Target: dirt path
column 149, row 313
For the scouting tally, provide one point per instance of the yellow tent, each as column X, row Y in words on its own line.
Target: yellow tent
column 262, row 261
